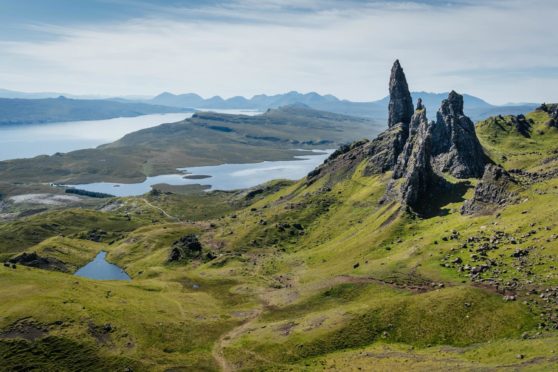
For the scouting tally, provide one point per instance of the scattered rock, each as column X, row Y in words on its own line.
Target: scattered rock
column 520, row 253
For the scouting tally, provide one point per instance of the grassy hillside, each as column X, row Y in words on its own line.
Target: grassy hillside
column 520, row 143
column 300, row 277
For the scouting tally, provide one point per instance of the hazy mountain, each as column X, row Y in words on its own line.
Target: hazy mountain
column 475, row 107
column 6, row 93
column 28, row 111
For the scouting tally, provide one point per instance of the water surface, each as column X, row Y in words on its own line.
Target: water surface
column 219, row 177
column 30, row 140
column 101, row 269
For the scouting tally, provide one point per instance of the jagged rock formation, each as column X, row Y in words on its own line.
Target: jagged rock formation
column 493, row 191
column 418, row 151
column 385, row 149
column 400, row 101
column 447, row 145
column 418, row 131
column 456, row 148
column 414, row 162
column 382, row 152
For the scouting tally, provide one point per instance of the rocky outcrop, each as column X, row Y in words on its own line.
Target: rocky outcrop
column 414, row 164
column 382, row 152
column 34, row 260
column 493, row 190
column 414, row 181
column 186, row 247
column 455, row 146
column 418, row 152
column 552, row 111
column 400, row 101
column 522, row 125
column 418, row 131
column 385, row 149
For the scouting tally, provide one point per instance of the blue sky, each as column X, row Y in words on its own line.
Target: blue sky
column 502, row 51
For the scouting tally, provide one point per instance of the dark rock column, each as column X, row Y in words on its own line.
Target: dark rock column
column 455, row 146
column 400, row 101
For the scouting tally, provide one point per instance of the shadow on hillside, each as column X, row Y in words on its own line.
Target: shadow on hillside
column 434, row 205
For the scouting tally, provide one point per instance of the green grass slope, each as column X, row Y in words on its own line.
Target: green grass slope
column 302, row 277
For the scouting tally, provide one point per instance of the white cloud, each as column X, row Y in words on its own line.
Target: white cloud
column 247, row 48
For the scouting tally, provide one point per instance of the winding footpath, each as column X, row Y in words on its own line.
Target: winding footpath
column 161, row 210
column 218, row 351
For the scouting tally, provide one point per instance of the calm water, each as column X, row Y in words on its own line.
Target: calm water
column 221, row 177
column 100, row 269
column 27, row 141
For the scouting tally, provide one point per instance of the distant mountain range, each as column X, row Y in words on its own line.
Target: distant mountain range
column 476, row 108
column 48, row 110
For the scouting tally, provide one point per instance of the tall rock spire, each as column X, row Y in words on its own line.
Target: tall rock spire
column 455, row 146
column 400, row 101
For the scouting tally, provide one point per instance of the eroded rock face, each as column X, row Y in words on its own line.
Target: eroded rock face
column 414, row 180
column 383, row 150
column 400, row 101
column 418, row 131
column 455, row 146
column 493, row 191
column 415, row 164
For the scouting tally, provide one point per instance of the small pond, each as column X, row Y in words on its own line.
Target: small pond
column 101, row 269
